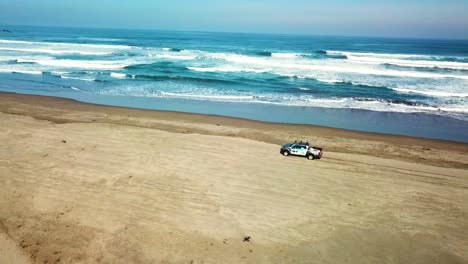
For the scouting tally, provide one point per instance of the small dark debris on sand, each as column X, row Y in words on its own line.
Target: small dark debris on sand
column 246, row 239
column 45, row 155
column 64, row 141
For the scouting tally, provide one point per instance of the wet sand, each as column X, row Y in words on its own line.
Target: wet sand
column 85, row 183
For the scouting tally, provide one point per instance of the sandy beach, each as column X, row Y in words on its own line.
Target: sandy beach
column 85, row 183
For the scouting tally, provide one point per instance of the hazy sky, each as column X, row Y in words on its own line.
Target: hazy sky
column 410, row 18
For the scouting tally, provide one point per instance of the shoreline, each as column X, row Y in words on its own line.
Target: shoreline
column 55, row 109
column 198, row 116
column 424, row 125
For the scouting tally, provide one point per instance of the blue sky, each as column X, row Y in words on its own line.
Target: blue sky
column 392, row 18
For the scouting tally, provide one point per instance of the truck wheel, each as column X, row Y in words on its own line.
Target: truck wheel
column 286, row 153
column 311, row 157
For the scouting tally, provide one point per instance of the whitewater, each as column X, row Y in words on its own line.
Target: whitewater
column 384, row 75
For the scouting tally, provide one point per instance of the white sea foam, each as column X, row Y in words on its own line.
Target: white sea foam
column 301, row 100
column 56, row 51
column 370, row 54
column 173, row 57
column 411, row 63
column 118, row 75
column 96, row 46
column 30, row 60
column 406, row 60
column 77, row 89
column 78, row 78
column 284, row 55
column 311, row 70
column 209, row 96
column 307, row 67
column 390, row 73
column 241, row 59
column 362, row 68
column 284, row 64
column 432, row 93
column 461, row 110
column 58, row 73
column 82, row 64
column 28, row 49
column 308, row 101
column 200, row 69
column 20, row 71
column 28, row 72
column 329, row 81
column 225, row 69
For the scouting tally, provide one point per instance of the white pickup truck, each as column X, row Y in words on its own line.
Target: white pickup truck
column 301, row 149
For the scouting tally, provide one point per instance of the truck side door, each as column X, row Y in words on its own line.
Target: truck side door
column 302, row 151
column 295, row 150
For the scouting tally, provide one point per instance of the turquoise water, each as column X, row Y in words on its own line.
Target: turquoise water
column 398, row 86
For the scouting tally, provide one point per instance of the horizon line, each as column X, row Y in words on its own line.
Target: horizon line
column 241, row 32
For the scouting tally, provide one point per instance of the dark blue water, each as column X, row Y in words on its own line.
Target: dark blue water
column 399, row 86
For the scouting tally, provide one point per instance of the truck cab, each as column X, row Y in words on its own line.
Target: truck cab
column 301, row 149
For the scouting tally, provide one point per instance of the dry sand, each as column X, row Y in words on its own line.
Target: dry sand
column 85, row 183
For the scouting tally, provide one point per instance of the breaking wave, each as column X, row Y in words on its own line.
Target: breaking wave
column 372, row 104
column 432, row 93
column 406, row 60
column 412, row 82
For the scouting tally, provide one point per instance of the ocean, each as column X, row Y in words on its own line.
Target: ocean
column 416, row 87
